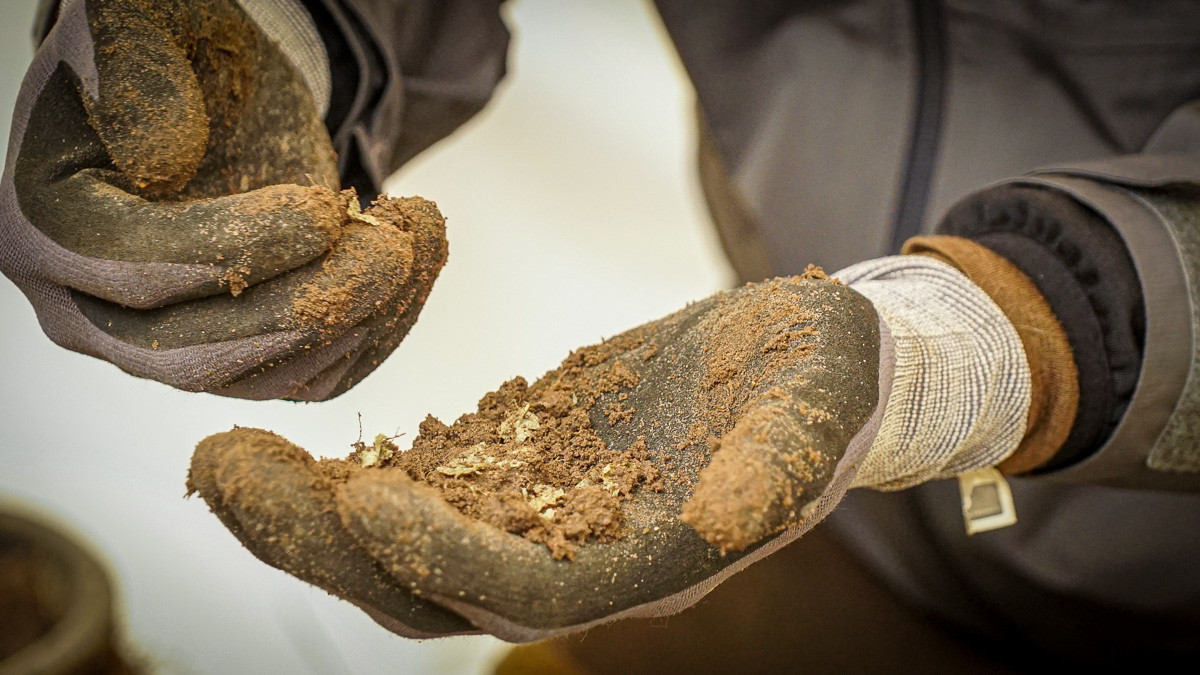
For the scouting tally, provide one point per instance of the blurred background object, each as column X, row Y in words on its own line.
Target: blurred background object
column 573, row 214
column 56, row 602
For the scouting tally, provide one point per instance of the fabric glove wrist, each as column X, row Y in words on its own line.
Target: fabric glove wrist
column 961, row 389
column 1054, row 396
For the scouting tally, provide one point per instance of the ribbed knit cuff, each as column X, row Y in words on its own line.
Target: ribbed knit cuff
column 1083, row 269
column 960, row 390
column 1054, row 397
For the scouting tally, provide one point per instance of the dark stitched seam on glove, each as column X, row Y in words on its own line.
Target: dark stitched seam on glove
column 1084, row 272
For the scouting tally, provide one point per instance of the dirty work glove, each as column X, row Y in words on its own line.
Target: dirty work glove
column 170, row 203
column 728, row 430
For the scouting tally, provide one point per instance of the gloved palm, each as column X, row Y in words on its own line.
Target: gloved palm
column 170, row 203
column 728, row 429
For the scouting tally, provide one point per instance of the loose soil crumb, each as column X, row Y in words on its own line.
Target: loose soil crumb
column 618, row 412
column 234, row 279
column 816, row 273
column 528, row 460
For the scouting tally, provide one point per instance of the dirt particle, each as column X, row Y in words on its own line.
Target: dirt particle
column 617, row 413
column 234, row 279
column 813, row 272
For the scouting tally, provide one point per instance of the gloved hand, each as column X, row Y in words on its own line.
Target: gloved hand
column 645, row 470
column 170, row 203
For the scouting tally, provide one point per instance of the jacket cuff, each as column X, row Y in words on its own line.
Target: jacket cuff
column 1152, row 202
column 362, row 86
column 1083, row 270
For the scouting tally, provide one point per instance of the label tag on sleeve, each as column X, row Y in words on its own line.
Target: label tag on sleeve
column 987, row 502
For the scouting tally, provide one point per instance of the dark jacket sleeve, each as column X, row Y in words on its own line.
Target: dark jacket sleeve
column 1114, row 245
column 406, row 74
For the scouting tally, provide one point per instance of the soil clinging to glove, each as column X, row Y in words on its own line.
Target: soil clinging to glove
column 626, row 482
column 411, row 229
column 530, row 462
column 172, row 206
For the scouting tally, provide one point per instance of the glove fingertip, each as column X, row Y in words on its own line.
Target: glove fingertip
column 278, row 501
column 227, row 465
column 150, row 112
column 757, row 481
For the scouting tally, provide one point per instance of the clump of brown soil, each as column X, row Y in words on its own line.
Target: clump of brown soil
column 528, row 461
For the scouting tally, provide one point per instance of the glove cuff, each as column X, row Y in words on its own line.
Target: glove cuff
column 961, row 390
column 287, row 24
column 1054, row 395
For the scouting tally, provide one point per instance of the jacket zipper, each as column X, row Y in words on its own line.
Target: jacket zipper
column 929, row 28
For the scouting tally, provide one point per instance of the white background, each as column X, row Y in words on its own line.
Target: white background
column 573, row 215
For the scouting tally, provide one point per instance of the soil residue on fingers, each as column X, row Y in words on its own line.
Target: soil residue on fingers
column 175, row 79
column 406, row 228
column 531, row 460
column 528, row 461
column 750, row 340
column 766, row 469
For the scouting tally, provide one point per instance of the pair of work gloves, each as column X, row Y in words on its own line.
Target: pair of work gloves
column 170, row 204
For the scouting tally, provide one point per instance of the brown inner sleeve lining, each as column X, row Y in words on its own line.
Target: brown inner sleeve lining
column 1055, row 382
